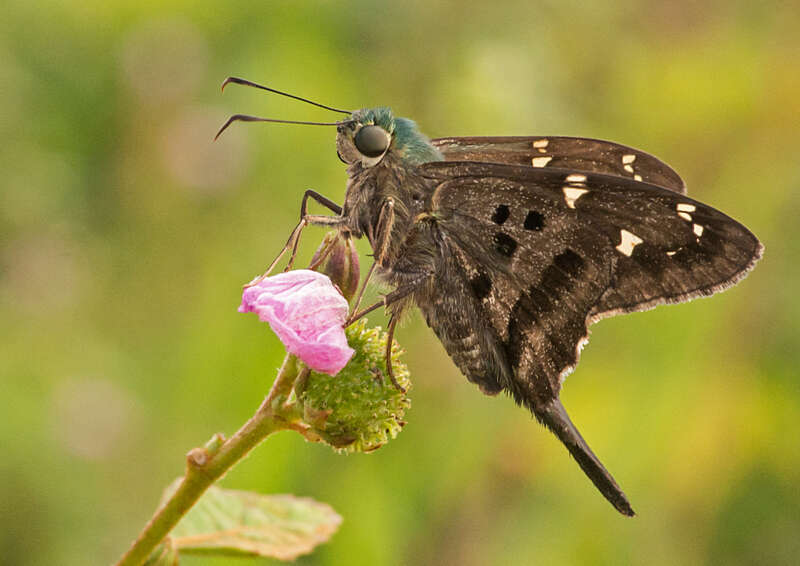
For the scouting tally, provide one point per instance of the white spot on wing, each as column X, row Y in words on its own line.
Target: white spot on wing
column 637, row 177
column 629, row 241
column 628, row 168
column 629, row 158
column 672, row 253
column 698, row 230
column 686, row 207
column 541, row 161
column 571, row 194
column 540, row 144
column 686, row 216
column 576, row 178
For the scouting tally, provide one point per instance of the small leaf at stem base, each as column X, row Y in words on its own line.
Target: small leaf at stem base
column 226, row 521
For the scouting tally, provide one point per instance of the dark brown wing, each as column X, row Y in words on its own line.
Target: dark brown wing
column 577, row 154
column 661, row 247
column 531, row 257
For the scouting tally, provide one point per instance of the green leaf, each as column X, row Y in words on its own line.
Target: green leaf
column 226, row 521
column 165, row 554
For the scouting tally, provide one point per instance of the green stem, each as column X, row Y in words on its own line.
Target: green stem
column 204, row 468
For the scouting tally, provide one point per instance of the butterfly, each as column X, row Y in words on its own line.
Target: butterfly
column 511, row 247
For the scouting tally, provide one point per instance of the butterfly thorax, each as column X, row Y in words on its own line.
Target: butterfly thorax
column 385, row 203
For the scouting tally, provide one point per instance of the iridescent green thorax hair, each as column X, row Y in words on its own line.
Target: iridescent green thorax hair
column 408, row 143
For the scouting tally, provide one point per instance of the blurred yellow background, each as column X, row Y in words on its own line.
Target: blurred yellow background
column 126, row 234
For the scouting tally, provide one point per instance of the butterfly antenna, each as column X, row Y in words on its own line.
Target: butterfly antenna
column 246, row 118
column 554, row 416
column 245, row 82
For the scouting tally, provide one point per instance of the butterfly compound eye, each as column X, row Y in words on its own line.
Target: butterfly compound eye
column 372, row 141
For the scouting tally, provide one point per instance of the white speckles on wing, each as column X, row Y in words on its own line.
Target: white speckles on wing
column 686, row 216
column 697, row 229
column 627, row 161
column 672, row 253
column 629, row 241
column 571, row 194
column 541, row 145
column 541, row 161
column 686, row 207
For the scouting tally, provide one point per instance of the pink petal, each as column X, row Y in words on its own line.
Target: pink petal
column 306, row 312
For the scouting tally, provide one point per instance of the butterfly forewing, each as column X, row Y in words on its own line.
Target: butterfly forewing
column 671, row 249
column 575, row 154
column 560, row 250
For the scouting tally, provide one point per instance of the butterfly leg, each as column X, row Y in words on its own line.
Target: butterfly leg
column 385, row 219
column 391, row 298
column 305, row 219
column 323, row 251
column 383, row 230
column 324, row 201
column 389, row 344
column 553, row 415
column 363, row 288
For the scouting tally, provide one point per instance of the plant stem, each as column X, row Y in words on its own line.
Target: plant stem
column 204, row 468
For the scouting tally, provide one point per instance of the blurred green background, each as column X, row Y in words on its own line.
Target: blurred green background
column 126, row 234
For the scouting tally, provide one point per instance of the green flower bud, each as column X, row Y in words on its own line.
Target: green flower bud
column 359, row 409
column 338, row 259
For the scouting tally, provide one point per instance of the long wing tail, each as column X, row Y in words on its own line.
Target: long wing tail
column 554, row 416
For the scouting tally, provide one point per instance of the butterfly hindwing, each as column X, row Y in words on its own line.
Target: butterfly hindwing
column 499, row 317
column 542, row 272
column 579, row 155
column 531, row 257
column 452, row 307
column 504, row 334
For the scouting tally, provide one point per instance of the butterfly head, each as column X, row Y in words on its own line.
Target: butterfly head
column 372, row 134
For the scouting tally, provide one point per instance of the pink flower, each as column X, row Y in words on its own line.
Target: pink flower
column 307, row 313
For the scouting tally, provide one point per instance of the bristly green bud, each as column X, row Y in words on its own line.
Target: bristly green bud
column 338, row 259
column 359, row 409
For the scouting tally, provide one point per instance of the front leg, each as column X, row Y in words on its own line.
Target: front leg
column 383, row 232
column 379, row 239
column 324, row 201
column 414, row 274
column 306, row 219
